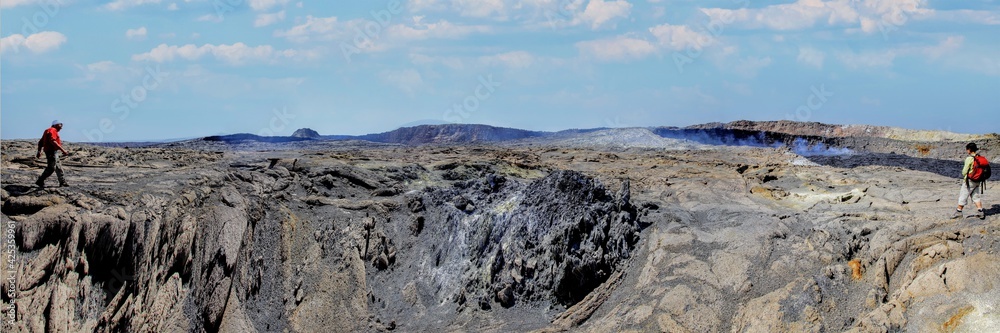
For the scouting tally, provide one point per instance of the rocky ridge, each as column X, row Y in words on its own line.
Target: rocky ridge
column 349, row 236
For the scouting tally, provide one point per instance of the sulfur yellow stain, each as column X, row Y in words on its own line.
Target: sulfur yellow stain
column 952, row 324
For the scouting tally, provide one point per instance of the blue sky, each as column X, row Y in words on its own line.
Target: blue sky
column 160, row 69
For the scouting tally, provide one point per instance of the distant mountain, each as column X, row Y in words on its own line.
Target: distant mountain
column 450, row 133
column 246, row 137
column 424, row 122
column 739, row 133
column 306, row 133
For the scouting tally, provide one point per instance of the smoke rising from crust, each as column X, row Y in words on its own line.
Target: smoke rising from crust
column 802, row 147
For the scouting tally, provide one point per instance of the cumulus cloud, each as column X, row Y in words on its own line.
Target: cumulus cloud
column 886, row 58
column 264, row 5
column 868, row 60
column 232, row 54
column 600, row 12
column 15, row 3
column 661, row 38
column 209, row 18
column 621, row 48
column 596, row 14
column 264, row 20
column 811, row 57
column 125, row 4
column 319, row 28
column 488, row 9
column 680, row 37
column 946, row 46
column 515, row 59
column 419, row 30
column 41, row 42
column 136, row 34
column 802, row 14
column 749, row 66
column 333, row 29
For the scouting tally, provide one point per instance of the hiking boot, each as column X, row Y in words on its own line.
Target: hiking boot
column 957, row 215
column 982, row 214
column 40, row 183
column 64, row 184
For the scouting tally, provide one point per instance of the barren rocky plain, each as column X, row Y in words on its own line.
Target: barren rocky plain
column 739, row 227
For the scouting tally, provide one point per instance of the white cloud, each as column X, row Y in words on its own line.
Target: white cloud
column 409, row 80
column 455, row 63
column 886, row 58
column 264, row 5
column 534, row 13
column 107, row 76
column 621, row 48
column 136, row 34
column 661, row 38
column 868, row 60
column 233, row 54
column 440, row 29
column 869, row 15
column 333, row 29
column 481, row 8
column 172, row 7
column 969, row 16
column 41, row 42
column 515, row 59
column 209, row 18
column 101, row 66
column 599, row 12
column 319, row 28
column 680, row 37
column 948, row 45
column 811, row 57
column 264, row 20
column 124, row 4
column 15, row 3
column 749, row 66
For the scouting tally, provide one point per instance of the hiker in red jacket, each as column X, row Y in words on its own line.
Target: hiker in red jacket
column 50, row 143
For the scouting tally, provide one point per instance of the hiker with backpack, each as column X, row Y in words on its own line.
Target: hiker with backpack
column 974, row 175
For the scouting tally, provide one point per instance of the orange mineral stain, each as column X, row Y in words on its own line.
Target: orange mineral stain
column 855, row 268
column 952, row 324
